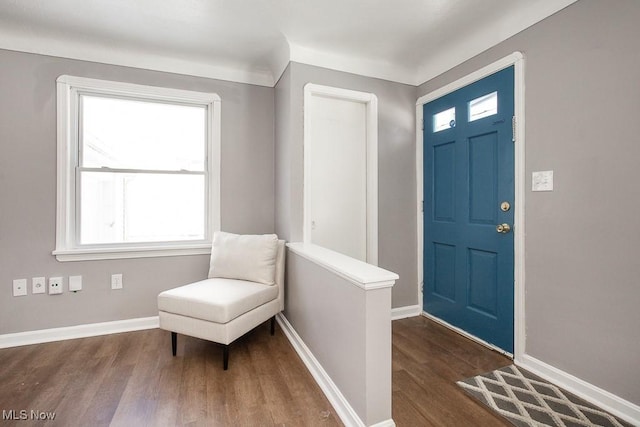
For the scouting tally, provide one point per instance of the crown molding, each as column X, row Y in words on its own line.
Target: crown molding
column 490, row 36
column 276, row 61
column 85, row 51
column 364, row 67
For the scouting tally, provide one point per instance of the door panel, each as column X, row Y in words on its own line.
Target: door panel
column 482, row 288
column 468, row 173
column 443, row 183
column 445, row 271
column 483, row 179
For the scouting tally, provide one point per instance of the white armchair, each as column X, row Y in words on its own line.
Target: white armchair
column 245, row 288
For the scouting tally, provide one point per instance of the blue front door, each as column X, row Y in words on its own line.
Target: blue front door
column 468, row 196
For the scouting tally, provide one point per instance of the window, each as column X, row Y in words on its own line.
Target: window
column 138, row 170
column 444, row 120
column 483, row 106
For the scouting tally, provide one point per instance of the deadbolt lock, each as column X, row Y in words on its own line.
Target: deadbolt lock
column 503, row 228
column 505, row 206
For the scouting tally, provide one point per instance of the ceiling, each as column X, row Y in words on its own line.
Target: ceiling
column 251, row 41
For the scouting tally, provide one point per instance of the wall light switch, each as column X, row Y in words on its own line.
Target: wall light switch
column 542, row 181
column 19, row 287
column 38, row 285
column 75, row 283
column 116, row 281
column 55, row 285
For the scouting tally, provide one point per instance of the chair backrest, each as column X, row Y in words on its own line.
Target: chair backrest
column 280, row 268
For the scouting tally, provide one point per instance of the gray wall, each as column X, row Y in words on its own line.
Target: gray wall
column 28, row 193
column 396, row 166
column 348, row 331
column 582, row 105
column 284, row 141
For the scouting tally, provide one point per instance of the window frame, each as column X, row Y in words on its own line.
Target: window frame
column 69, row 89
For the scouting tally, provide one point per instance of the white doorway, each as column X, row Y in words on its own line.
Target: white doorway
column 341, row 171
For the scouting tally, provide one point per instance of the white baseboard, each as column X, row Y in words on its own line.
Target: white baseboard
column 79, row 331
column 406, row 311
column 624, row 409
column 385, row 423
column 343, row 408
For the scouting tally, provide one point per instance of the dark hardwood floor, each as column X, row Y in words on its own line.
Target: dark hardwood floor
column 428, row 359
column 131, row 379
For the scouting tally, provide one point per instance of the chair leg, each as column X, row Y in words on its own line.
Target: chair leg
column 273, row 325
column 174, row 342
column 225, row 357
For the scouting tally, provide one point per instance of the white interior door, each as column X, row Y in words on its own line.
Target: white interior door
column 336, row 146
column 341, row 171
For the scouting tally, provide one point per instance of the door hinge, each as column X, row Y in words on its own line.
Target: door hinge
column 422, row 206
column 422, row 287
column 422, row 124
column 513, row 127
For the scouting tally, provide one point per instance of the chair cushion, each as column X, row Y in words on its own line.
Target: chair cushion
column 217, row 300
column 244, row 257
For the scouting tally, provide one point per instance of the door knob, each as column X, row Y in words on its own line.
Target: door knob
column 503, row 228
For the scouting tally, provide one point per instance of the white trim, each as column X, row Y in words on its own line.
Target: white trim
column 371, row 103
column 356, row 272
column 385, row 423
column 127, row 253
column 118, row 88
column 232, row 71
column 372, row 68
column 491, row 35
column 519, row 329
column 68, row 89
column 466, row 334
column 517, row 60
column 342, row 406
column 266, row 73
column 608, row 401
column 406, row 311
column 492, row 68
column 79, row 331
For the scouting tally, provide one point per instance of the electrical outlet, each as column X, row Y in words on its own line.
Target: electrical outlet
column 116, row 281
column 38, row 285
column 19, row 287
column 75, row 283
column 55, row 285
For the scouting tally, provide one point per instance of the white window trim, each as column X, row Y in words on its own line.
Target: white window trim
column 67, row 96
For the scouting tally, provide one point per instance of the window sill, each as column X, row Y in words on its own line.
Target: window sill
column 94, row 254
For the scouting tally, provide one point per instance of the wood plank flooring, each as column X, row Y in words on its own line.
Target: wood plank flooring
column 428, row 359
column 131, row 379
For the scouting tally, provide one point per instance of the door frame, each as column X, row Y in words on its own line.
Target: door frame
column 370, row 101
column 516, row 60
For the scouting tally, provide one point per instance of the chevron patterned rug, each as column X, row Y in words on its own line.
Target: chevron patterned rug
column 526, row 400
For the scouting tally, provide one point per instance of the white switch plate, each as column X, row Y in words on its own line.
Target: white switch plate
column 75, row 283
column 542, row 181
column 38, row 285
column 19, row 287
column 55, row 285
column 116, row 281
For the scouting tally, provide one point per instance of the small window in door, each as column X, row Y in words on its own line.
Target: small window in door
column 484, row 106
column 444, row 120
